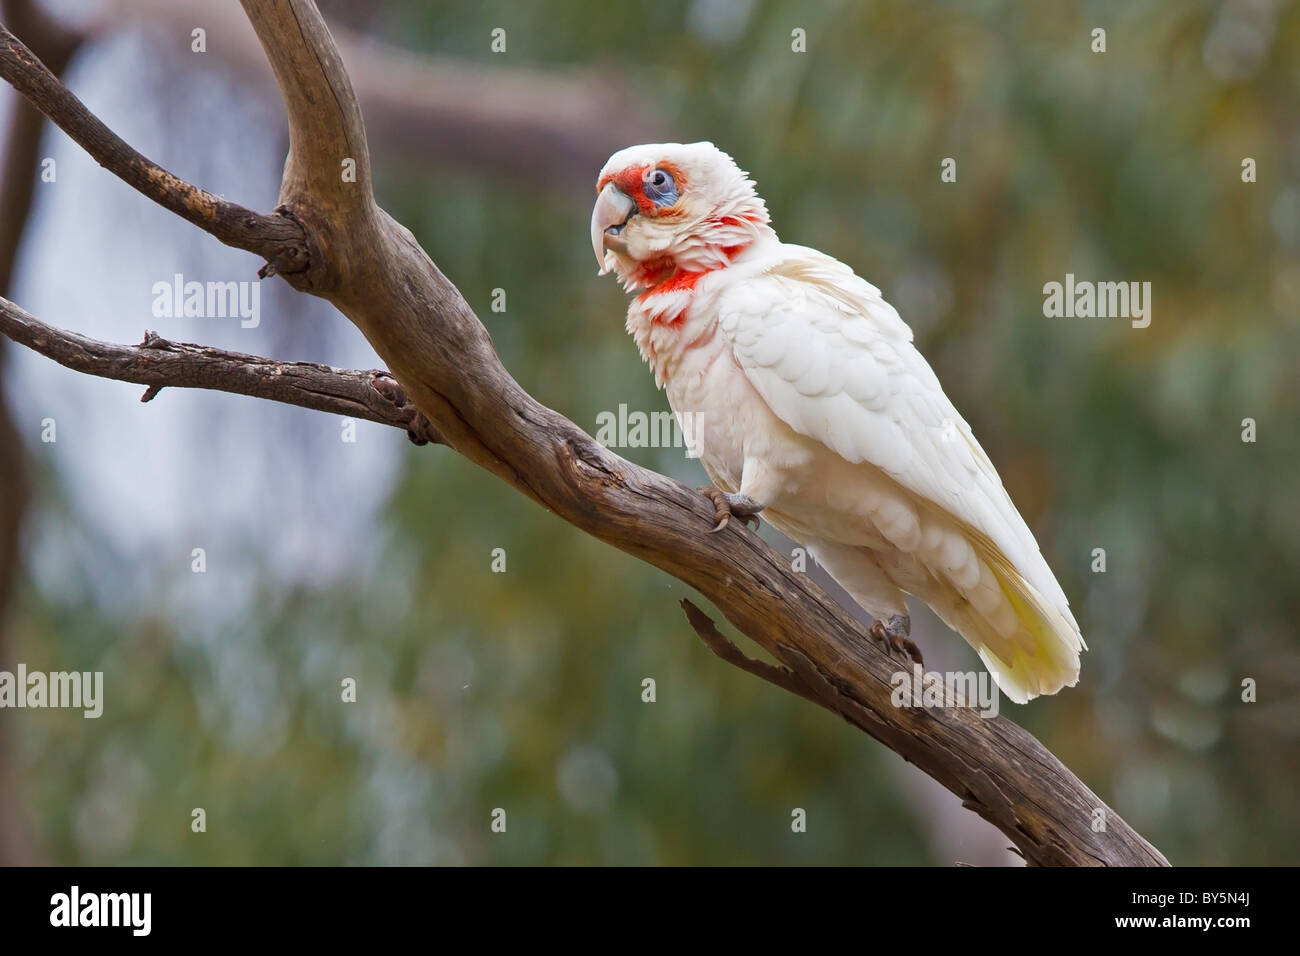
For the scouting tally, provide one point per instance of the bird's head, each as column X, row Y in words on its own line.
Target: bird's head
column 667, row 207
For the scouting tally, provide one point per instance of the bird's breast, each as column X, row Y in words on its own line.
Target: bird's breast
column 723, row 417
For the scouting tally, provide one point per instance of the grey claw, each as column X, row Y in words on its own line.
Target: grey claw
column 725, row 506
column 895, row 634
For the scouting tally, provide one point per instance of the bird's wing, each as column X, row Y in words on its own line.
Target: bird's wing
column 835, row 362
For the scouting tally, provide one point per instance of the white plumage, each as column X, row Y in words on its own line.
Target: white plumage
column 811, row 399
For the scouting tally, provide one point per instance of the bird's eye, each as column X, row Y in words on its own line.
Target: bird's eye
column 660, row 187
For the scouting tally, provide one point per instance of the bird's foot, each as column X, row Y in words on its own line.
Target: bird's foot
column 726, row 506
column 895, row 634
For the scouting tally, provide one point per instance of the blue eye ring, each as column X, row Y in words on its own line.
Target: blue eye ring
column 660, row 187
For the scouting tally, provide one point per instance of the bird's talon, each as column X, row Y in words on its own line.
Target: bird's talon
column 725, row 506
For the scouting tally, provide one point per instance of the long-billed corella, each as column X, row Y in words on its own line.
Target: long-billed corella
column 812, row 406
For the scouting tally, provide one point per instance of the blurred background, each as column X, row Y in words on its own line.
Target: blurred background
column 328, row 559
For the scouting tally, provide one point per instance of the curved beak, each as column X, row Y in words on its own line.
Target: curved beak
column 613, row 209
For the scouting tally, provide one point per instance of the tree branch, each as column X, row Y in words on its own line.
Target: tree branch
column 375, row 272
column 276, row 238
column 547, row 128
column 372, row 395
column 325, row 127
column 717, row 642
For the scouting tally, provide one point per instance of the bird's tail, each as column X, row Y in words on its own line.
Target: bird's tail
column 1035, row 649
column 1028, row 640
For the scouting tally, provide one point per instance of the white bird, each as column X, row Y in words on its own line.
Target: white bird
column 808, row 402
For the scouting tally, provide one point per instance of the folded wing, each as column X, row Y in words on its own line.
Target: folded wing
column 835, row 362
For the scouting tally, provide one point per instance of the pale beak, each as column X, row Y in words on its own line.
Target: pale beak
column 613, row 209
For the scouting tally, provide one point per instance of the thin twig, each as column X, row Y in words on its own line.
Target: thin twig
column 371, row 395
column 715, row 640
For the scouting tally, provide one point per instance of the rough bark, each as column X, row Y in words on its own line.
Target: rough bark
column 374, row 271
column 157, row 363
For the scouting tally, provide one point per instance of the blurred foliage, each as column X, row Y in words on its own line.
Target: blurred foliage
column 522, row 690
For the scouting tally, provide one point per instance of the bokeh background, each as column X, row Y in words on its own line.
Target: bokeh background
column 522, row 690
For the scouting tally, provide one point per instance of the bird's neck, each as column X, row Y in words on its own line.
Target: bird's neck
column 672, row 313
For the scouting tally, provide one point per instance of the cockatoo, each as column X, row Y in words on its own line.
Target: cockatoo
column 809, row 403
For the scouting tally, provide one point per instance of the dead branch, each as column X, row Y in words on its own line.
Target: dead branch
column 371, row 395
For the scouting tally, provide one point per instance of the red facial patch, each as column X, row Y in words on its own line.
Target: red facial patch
column 629, row 181
column 632, row 182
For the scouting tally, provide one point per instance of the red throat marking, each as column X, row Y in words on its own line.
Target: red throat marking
column 679, row 280
column 663, row 276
